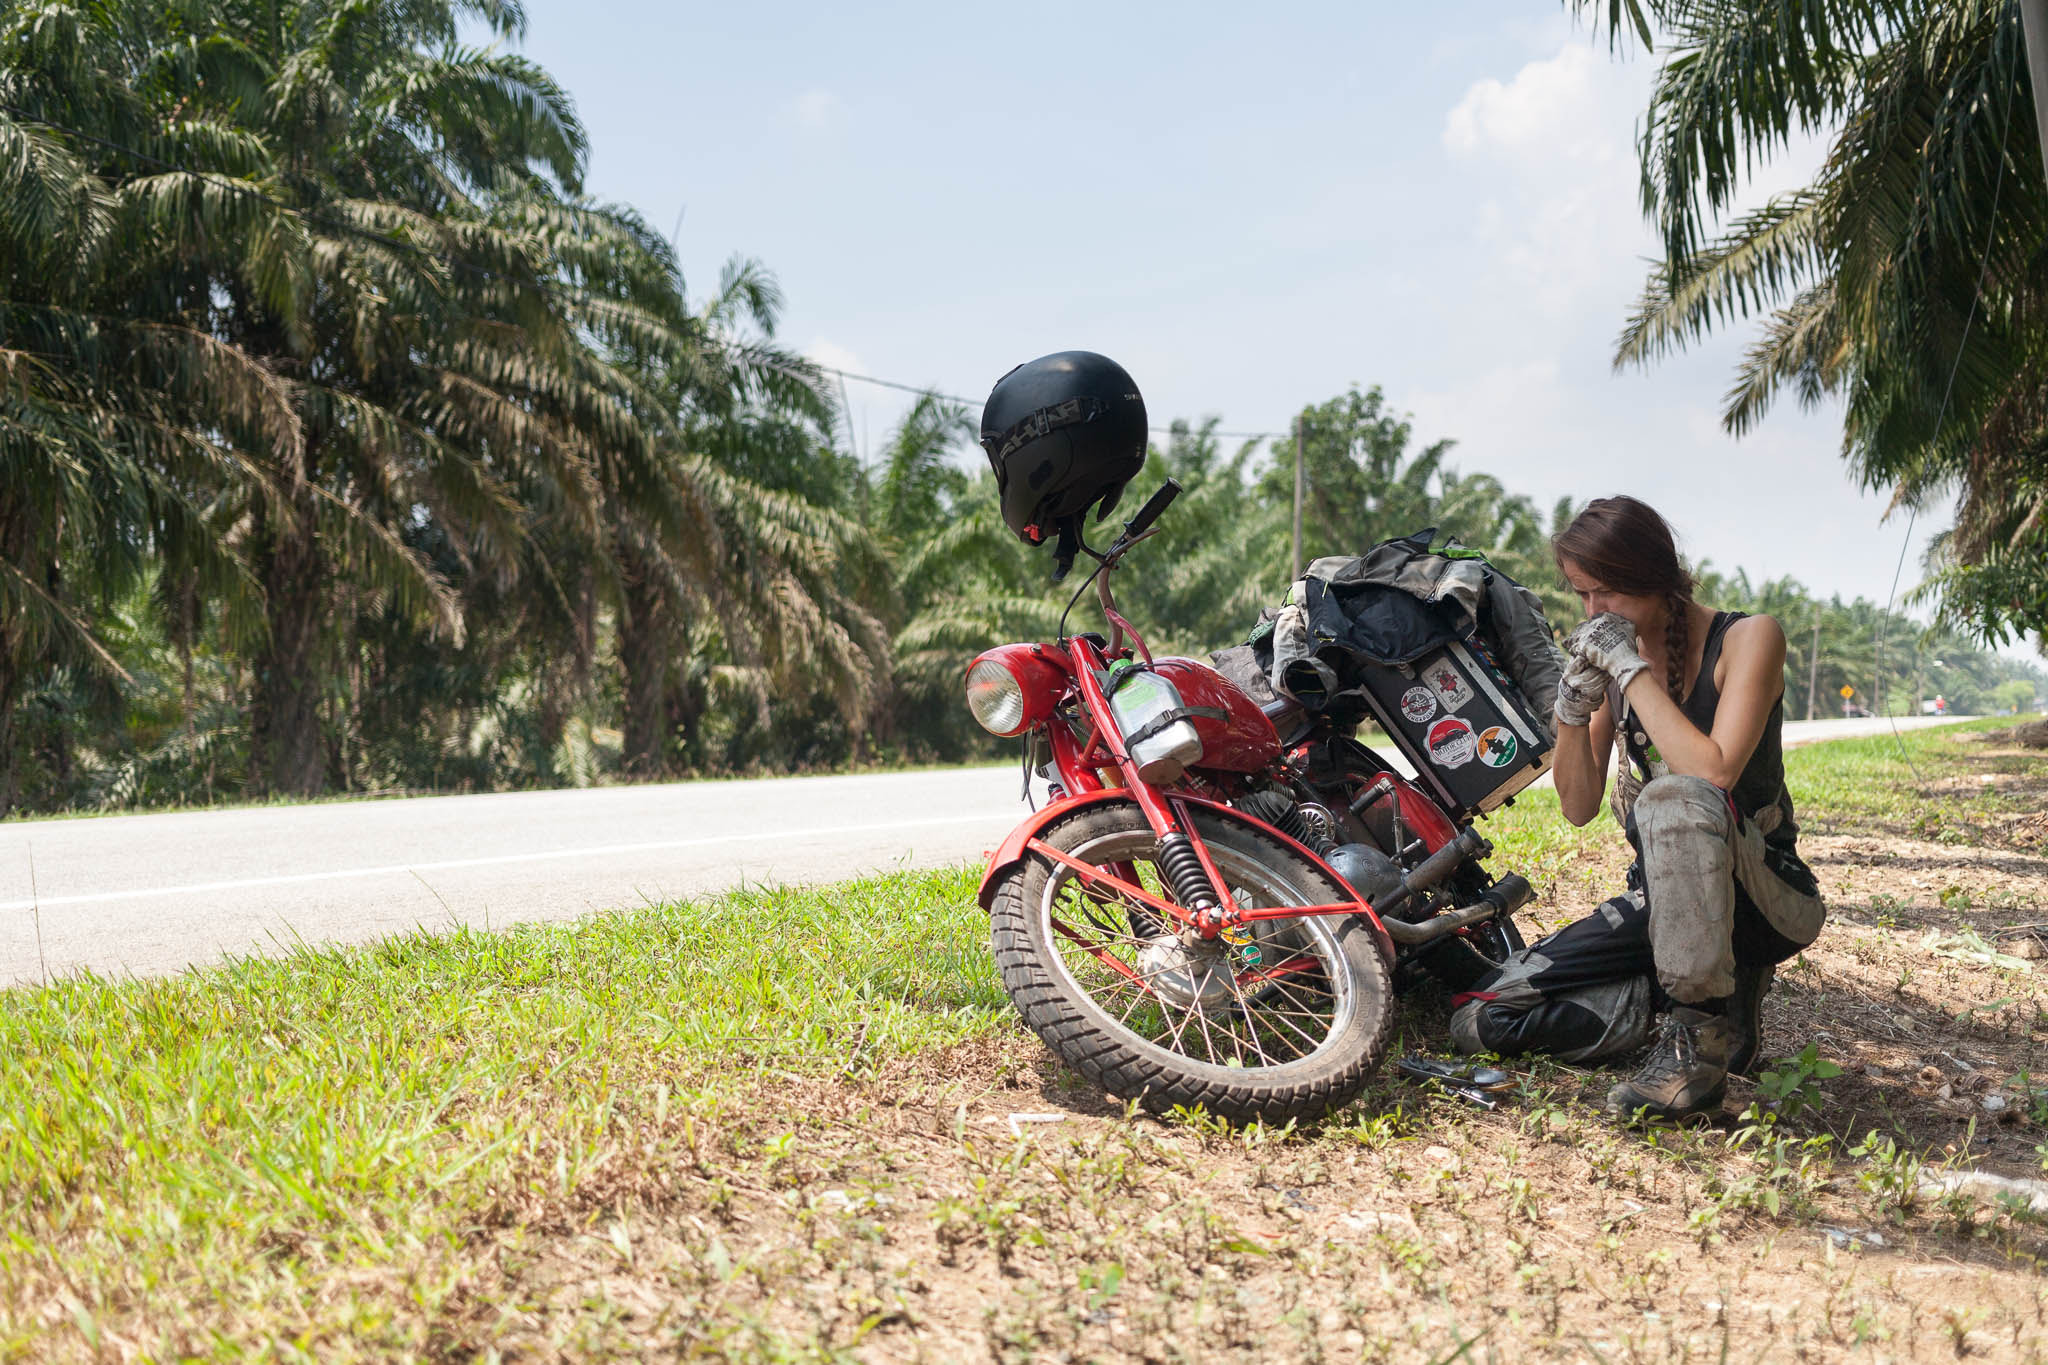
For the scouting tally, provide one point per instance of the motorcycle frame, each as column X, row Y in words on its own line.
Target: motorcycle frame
column 1168, row 809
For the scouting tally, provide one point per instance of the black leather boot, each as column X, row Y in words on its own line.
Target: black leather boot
column 1745, row 1013
column 1686, row 1073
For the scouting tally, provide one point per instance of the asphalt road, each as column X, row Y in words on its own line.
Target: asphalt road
column 150, row 894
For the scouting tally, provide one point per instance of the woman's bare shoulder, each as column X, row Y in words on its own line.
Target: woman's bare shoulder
column 1756, row 635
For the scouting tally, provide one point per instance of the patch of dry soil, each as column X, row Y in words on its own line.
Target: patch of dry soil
column 978, row 1204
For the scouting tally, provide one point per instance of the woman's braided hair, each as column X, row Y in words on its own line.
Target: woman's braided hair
column 1625, row 545
column 1677, row 624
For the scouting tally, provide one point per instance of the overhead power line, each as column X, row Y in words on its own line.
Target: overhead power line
column 1941, row 415
column 977, row 403
column 236, row 186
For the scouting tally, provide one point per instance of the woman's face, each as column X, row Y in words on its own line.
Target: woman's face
column 1646, row 614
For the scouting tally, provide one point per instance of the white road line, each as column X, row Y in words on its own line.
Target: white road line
column 597, row 851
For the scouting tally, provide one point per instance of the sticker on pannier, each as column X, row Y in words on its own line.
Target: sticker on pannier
column 1497, row 746
column 1450, row 686
column 1418, row 704
column 1452, row 743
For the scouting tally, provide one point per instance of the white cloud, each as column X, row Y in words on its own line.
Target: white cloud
column 1549, row 150
column 816, row 109
column 1493, row 413
column 1559, row 107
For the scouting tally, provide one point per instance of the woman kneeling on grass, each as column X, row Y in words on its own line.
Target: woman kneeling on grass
column 1718, row 895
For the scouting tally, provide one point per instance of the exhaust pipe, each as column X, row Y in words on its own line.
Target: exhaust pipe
column 1425, row 875
column 1504, row 897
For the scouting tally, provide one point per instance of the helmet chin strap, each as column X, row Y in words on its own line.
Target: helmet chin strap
column 1068, row 545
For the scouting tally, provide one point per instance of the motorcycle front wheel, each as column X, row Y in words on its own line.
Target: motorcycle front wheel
column 1287, row 1026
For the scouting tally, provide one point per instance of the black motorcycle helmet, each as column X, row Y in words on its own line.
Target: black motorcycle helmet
column 1063, row 432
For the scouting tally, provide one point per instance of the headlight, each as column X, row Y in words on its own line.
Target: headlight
column 996, row 697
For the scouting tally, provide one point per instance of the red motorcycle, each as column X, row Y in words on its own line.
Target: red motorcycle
column 1203, row 914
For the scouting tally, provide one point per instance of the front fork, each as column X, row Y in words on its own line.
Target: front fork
column 1205, row 903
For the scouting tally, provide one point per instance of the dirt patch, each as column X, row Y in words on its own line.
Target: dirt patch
column 970, row 1205
column 980, row 1203
column 2033, row 735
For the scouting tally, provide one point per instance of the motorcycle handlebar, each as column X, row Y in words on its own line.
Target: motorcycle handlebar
column 1149, row 513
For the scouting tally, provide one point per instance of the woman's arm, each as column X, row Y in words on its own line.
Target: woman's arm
column 1753, row 678
column 1579, row 766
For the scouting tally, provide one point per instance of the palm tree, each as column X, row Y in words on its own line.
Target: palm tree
column 384, row 222
column 119, row 412
column 1221, row 552
column 1513, row 535
column 756, row 590
column 959, row 580
column 1908, row 279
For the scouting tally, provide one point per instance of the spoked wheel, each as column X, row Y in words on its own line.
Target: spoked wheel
column 1287, row 1025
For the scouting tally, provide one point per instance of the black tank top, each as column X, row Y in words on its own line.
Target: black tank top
column 1761, row 786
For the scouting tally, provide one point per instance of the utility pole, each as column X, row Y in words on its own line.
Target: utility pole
column 1813, row 668
column 1300, row 487
column 2034, row 21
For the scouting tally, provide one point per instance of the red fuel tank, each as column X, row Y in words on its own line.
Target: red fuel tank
column 1236, row 736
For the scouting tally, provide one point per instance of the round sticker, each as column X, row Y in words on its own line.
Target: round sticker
column 1418, row 704
column 1452, row 743
column 1497, row 746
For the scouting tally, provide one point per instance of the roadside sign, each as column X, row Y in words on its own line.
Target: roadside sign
column 1847, row 691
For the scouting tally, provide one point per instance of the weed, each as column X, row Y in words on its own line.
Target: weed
column 1522, row 1201
column 1375, row 1131
column 1198, row 1119
column 1781, row 1176
column 1792, row 1086
column 1892, row 1172
column 1959, row 1321
column 1100, row 1283
column 1258, row 1134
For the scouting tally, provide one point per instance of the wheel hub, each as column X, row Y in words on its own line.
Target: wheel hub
column 1186, row 974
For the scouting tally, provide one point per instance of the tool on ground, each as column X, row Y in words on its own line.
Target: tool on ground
column 1476, row 1084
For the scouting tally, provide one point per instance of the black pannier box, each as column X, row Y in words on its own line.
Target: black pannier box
column 1461, row 722
column 1389, row 635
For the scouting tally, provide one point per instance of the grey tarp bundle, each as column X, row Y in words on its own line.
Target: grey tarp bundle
column 1342, row 609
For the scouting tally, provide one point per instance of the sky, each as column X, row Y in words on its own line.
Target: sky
column 1252, row 208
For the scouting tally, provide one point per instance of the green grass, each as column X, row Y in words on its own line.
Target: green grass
column 225, row 1132
column 1881, row 784
column 1884, row 783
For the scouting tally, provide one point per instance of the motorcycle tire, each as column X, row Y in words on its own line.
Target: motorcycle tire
column 1300, row 1031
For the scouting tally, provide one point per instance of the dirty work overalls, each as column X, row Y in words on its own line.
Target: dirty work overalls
column 1717, row 880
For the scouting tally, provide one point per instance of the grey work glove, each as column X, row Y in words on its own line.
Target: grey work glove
column 1579, row 693
column 1608, row 642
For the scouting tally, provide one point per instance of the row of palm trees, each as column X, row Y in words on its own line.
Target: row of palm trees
column 309, row 334
column 345, row 442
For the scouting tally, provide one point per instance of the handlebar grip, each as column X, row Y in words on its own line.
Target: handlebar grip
column 1149, row 513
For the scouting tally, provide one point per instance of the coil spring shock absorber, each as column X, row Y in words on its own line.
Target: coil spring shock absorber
column 1185, row 876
